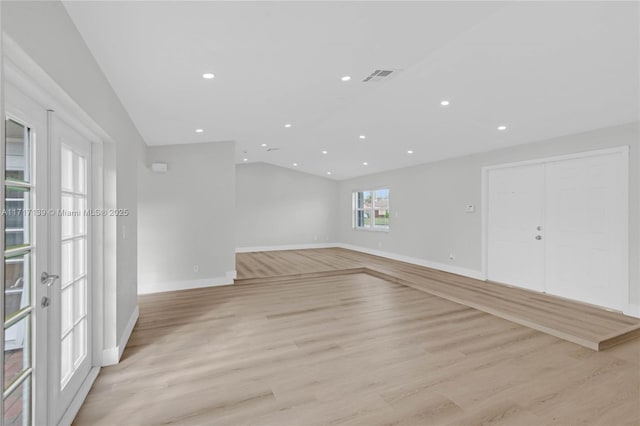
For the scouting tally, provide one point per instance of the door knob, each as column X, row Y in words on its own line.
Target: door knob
column 48, row 279
column 538, row 237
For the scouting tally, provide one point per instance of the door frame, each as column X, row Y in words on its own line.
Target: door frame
column 622, row 150
column 38, row 336
column 26, row 75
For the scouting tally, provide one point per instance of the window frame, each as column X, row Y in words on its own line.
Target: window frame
column 355, row 210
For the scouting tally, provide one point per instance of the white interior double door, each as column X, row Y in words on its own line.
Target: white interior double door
column 48, row 320
column 560, row 227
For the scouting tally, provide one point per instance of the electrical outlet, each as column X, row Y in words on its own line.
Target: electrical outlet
column 379, row 244
column 196, row 268
column 452, row 256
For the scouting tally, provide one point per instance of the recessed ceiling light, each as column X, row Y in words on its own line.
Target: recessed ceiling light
column 363, row 137
column 365, row 164
column 328, row 173
column 325, row 152
column 287, row 125
column 295, row 164
column 208, row 75
column 444, row 103
column 502, row 127
column 199, row 130
column 410, row 152
column 263, row 144
column 245, row 159
column 346, row 78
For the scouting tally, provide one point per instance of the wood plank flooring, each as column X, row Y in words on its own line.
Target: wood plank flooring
column 589, row 326
column 352, row 350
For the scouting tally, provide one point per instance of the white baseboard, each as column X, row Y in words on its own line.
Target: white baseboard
column 127, row 331
column 286, row 247
column 632, row 310
column 471, row 273
column 111, row 356
column 160, row 287
column 78, row 399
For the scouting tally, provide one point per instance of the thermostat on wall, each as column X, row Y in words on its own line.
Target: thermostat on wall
column 159, row 167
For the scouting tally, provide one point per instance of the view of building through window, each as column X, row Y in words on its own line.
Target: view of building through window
column 371, row 209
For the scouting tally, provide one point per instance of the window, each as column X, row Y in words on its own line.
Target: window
column 371, row 210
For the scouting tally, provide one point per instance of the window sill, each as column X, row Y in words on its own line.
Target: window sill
column 371, row 229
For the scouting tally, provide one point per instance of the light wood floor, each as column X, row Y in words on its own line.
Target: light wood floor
column 352, row 349
column 585, row 325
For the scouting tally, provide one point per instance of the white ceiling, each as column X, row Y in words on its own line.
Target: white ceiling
column 543, row 69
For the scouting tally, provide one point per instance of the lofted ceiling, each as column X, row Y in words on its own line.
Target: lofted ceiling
column 542, row 69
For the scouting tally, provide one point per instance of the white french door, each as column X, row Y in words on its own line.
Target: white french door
column 560, row 226
column 25, row 258
column 70, row 232
column 48, row 351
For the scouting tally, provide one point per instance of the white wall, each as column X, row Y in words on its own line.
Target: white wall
column 46, row 33
column 428, row 221
column 276, row 206
column 187, row 217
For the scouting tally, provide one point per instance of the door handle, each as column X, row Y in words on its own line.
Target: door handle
column 48, row 279
column 538, row 237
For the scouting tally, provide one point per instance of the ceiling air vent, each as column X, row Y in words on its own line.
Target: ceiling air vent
column 378, row 75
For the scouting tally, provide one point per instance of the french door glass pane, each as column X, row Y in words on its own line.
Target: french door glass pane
column 66, row 168
column 66, row 359
column 17, row 356
column 17, row 220
column 80, row 219
column 80, row 293
column 66, row 270
column 17, row 292
column 18, row 156
column 66, row 219
column 17, row 406
column 79, row 261
column 81, row 175
column 67, row 309
column 80, row 341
